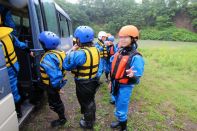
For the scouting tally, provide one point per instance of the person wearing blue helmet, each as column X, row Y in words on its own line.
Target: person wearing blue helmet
column 53, row 75
column 111, row 51
column 83, row 61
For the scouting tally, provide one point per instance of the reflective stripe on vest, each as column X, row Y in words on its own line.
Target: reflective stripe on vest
column 89, row 69
column 9, row 53
column 119, row 66
column 104, row 52
column 60, row 55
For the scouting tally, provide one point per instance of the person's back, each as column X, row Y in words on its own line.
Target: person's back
column 89, row 69
column 53, row 75
column 84, row 63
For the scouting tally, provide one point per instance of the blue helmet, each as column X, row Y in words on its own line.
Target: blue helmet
column 49, row 40
column 111, row 38
column 85, row 34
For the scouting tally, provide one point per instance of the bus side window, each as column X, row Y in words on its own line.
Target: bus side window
column 50, row 16
column 63, row 26
column 70, row 28
column 23, row 29
column 17, row 21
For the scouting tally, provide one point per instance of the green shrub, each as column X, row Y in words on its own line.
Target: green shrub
column 171, row 34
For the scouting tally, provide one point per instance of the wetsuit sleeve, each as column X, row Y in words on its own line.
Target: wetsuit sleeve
column 19, row 44
column 138, row 65
column 100, row 48
column 74, row 59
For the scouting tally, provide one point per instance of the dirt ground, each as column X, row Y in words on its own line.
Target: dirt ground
column 40, row 120
column 139, row 119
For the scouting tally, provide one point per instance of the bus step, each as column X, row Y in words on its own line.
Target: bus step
column 26, row 108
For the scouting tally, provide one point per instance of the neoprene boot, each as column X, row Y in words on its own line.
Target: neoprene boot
column 115, row 124
column 123, row 126
column 58, row 122
column 18, row 109
column 85, row 124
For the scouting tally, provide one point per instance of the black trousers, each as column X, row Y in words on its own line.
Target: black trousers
column 55, row 102
column 86, row 90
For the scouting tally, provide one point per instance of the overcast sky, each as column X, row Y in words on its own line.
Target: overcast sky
column 75, row 1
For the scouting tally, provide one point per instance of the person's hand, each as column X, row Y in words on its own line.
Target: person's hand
column 32, row 54
column 64, row 79
column 110, row 43
column 130, row 72
column 61, row 91
column 107, row 43
column 75, row 47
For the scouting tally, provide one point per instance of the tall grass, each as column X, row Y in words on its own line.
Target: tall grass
column 168, row 89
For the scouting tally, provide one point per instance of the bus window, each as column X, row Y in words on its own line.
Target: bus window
column 70, row 28
column 66, row 40
column 38, row 13
column 50, row 16
column 63, row 26
column 23, row 29
column 16, row 19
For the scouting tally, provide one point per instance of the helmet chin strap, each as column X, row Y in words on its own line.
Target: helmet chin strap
column 134, row 45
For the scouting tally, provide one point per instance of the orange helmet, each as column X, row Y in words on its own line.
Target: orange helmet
column 129, row 30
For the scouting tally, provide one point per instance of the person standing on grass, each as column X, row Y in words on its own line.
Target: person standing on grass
column 100, row 45
column 83, row 62
column 111, row 51
column 127, row 68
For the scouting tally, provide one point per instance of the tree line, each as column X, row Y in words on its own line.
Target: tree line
column 111, row 15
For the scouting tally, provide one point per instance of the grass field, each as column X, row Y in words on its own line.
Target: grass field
column 166, row 98
column 167, row 94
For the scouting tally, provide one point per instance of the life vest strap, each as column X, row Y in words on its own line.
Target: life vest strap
column 84, row 74
column 117, row 62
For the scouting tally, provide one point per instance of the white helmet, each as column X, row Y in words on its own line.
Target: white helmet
column 18, row 3
column 101, row 34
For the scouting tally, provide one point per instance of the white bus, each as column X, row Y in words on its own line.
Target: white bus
column 35, row 17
